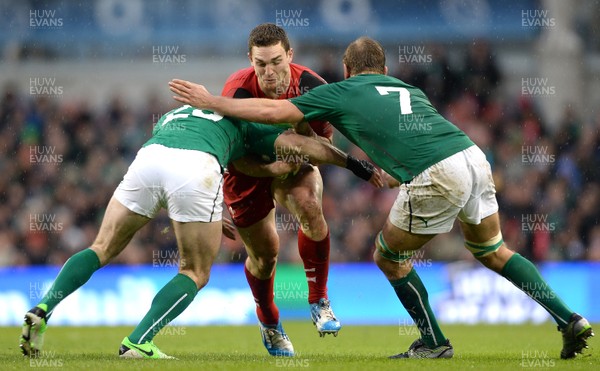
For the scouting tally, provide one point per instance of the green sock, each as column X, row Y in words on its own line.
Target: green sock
column 414, row 297
column 168, row 303
column 523, row 274
column 76, row 271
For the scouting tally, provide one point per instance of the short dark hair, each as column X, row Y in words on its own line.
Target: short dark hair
column 364, row 54
column 268, row 34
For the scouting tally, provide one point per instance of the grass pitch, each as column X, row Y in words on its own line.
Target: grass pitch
column 476, row 347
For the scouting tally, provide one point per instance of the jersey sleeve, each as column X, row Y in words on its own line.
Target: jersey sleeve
column 320, row 104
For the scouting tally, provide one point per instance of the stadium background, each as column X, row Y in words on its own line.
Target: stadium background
column 82, row 83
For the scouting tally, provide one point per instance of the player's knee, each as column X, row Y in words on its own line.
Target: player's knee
column 309, row 206
column 383, row 253
column 312, row 219
column 485, row 251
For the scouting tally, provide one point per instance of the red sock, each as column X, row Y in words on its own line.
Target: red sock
column 315, row 256
column 262, row 290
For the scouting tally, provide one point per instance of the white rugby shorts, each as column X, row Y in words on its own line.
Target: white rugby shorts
column 187, row 183
column 458, row 186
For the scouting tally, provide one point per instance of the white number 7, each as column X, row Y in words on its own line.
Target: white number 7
column 404, row 96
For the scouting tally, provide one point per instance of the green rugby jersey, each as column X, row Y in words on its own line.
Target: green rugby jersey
column 393, row 122
column 225, row 138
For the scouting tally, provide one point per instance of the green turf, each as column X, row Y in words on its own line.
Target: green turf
column 356, row 348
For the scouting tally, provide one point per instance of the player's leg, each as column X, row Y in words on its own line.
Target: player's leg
column 262, row 245
column 480, row 224
column 484, row 240
column 302, row 196
column 194, row 202
column 118, row 227
column 198, row 244
column 252, row 210
column 426, row 206
column 394, row 248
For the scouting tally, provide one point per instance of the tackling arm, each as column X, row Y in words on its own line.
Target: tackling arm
column 304, row 128
column 321, row 152
column 268, row 111
column 250, row 166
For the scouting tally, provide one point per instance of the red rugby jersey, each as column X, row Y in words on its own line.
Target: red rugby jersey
column 244, row 84
column 239, row 188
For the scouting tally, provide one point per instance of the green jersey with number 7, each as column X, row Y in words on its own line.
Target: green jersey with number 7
column 393, row 122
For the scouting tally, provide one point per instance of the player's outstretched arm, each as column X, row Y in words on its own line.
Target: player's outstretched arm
column 270, row 111
column 321, row 152
column 251, row 166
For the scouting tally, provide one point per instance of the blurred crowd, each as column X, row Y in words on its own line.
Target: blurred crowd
column 61, row 161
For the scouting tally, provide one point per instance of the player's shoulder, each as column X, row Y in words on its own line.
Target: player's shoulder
column 303, row 79
column 240, row 83
column 306, row 75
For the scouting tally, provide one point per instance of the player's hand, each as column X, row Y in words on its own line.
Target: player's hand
column 364, row 170
column 376, row 179
column 190, row 93
column 390, row 181
column 228, row 228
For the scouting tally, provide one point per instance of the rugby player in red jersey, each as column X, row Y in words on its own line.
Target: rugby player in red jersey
column 250, row 188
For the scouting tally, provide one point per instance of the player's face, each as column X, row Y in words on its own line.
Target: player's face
column 272, row 67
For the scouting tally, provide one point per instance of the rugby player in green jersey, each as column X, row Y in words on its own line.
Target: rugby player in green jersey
column 442, row 176
column 180, row 169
